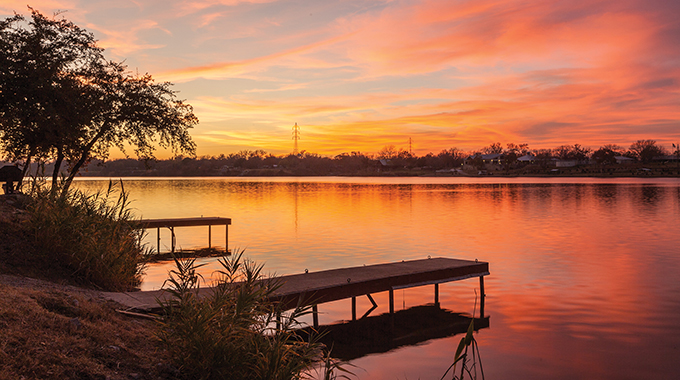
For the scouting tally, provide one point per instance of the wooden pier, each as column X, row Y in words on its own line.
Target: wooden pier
column 315, row 288
column 171, row 223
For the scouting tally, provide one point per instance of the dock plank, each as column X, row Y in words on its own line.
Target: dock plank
column 332, row 285
column 336, row 284
column 185, row 222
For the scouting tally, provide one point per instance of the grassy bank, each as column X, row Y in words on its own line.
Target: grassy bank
column 86, row 239
column 51, row 329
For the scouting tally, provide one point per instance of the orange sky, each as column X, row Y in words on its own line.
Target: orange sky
column 359, row 75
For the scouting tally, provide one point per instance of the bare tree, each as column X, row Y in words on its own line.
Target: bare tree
column 646, row 150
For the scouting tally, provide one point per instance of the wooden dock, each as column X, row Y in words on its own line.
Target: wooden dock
column 316, row 288
column 171, row 223
column 336, row 284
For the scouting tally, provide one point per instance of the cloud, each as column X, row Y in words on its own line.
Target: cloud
column 123, row 42
column 222, row 70
column 463, row 73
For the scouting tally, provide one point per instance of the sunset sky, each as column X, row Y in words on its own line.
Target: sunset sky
column 358, row 75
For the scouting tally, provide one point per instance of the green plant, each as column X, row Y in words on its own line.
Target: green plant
column 90, row 238
column 331, row 367
column 233, row 330
column 469, row 364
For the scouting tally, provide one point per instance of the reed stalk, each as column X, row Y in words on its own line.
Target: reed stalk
column 234, row 331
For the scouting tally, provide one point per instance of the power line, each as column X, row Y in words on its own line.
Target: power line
column 296, row 137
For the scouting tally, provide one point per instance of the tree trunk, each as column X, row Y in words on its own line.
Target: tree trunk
column 85, row 154
column 55, row 172
column 24, row 170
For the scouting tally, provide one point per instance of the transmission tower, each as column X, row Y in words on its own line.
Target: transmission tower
column 296, row 137
column 410, row 142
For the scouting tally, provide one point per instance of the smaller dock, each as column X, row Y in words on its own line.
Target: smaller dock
column 171, row 223
column 315, row 288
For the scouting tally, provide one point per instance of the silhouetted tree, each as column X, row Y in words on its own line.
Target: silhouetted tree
column 543, row 156
column 60, row 99
column 571, row 152
column 606, row 154
column 354, row 162
column 513, row 152
column 646, row 150
column 495, row 148
column 451, row 158
column 388, row 152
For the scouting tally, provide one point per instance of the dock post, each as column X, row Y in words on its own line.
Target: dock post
column 158, row 240
column 391, row 301
column 209, row 236
column 226, row 239
column 315, row 316
column 482, row 296
column 436, row 295
column 354, row 308
column 172, row 240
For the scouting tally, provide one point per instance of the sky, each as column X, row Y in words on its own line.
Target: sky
column 359, row 75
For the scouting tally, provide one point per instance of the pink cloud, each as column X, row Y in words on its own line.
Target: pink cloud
column 464, row 73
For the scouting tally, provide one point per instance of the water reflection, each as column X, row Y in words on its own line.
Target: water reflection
column 383, row 333
column 582, row 270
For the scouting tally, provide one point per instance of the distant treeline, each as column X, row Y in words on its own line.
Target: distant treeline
column 387, row 161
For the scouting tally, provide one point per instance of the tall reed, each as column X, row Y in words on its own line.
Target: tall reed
column 233, row 331
column 91, row 238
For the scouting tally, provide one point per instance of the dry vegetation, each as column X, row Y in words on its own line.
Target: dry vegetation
column 51, row 331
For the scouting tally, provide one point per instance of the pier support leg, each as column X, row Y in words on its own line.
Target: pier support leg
column 354, row 308
column 481, row 297
column 209, row 236
column 315, row 316
column 373, row 307
column 158, row 240
column 391, row 301
column 226, row 239
column 436, row 295
column 172, row 240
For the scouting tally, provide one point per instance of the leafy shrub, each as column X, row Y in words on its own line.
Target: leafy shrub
column 91, row 238
column 233, row 331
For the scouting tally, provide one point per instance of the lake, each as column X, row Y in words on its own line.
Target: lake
column 585, row 272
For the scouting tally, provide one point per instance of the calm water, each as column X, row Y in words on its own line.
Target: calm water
column 585, row 273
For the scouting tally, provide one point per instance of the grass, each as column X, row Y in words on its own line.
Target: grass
column 88, row 239
column 93, row 240
column 235, row 332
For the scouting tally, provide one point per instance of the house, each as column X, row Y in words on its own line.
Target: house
column 565, row 163
column 624, row 160
column 492, row 161
column 526, row 159
column 669, row 158
column 558, row 163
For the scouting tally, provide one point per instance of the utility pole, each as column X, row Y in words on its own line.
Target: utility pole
column 296, row 137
